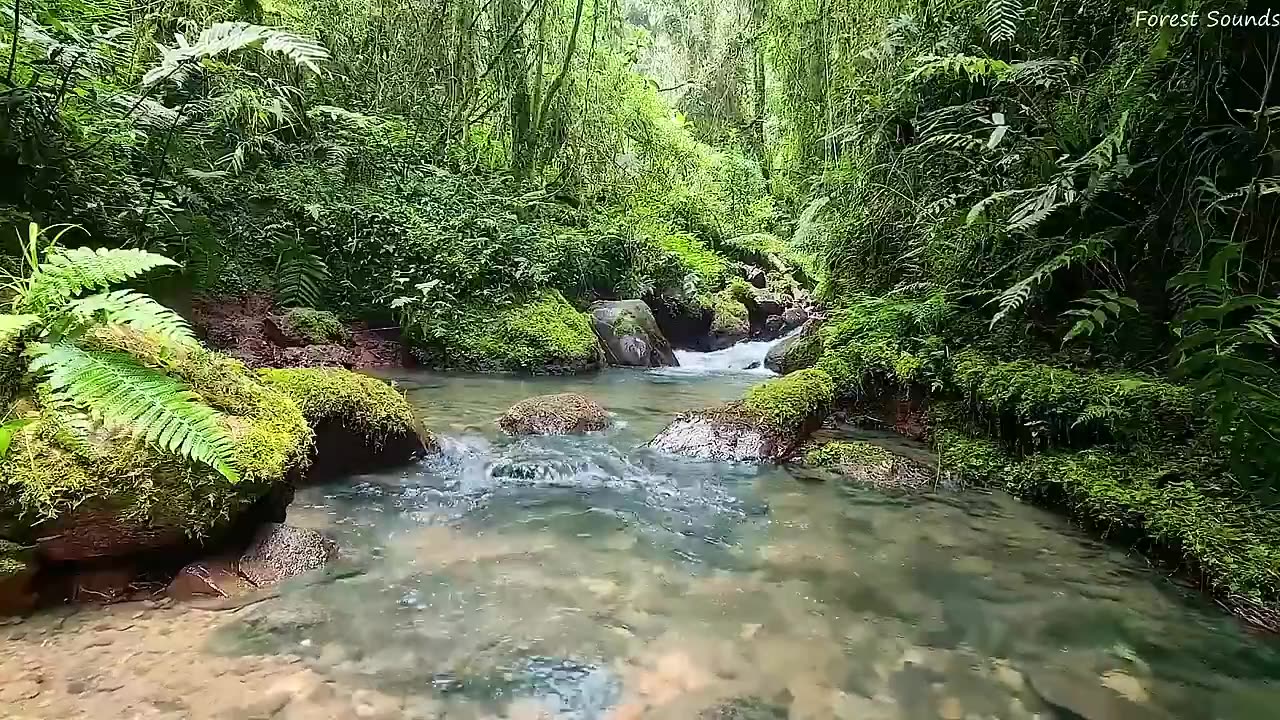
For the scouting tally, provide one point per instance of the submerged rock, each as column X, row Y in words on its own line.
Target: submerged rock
column 766, row 426
column 630, row 334
column 208, row 578
column 559, row 414
column 280, row 552
column 866, row 463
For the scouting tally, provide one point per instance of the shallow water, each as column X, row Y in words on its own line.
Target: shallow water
column 589, row 579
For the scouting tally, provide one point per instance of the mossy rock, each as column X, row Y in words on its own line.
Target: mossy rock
column 87, row 493
column 866, row 463
column 360, row 422
column 300, row 327
column 630, row 335
column 559, row 414
column 539, row 334
column 766, row 426
column 730, row 322
column 797, row 352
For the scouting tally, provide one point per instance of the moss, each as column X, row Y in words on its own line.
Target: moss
column 801, row 353
column 14, row 559
column 791, row 401
column 730, row 315
column 853, row 366
column 694, row 257
column 543, row 333
column 840, row 453
column 318, row 327
column 1128, row 407
column 970, row 459
column 358, row 402
column 56, row 464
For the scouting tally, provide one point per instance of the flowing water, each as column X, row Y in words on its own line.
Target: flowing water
column 587, row 578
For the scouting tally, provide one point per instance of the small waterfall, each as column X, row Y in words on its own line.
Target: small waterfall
column 733, row 359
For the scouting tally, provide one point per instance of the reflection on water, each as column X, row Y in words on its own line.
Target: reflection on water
column 583, row 578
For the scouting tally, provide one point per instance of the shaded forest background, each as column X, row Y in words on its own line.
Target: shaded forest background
column 1040, row 182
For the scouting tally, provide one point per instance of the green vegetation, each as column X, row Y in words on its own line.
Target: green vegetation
column 840, row 453
column 793, row 401
column 317, row 327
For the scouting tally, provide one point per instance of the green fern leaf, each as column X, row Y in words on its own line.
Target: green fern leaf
column 67, row 273
column 1002, row 18
column 138, row 311
column 122, row 393
column 229, row 37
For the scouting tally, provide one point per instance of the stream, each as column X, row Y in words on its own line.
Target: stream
column 587, row 578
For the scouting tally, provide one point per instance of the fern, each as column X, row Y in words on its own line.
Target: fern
column 1015, row 297
column 137, row 311
column 1095, row 311
column 1002, row 18
column 300, row 275
column 67, row 273
column 124, row 394
column 12, row 326
column 228, row 37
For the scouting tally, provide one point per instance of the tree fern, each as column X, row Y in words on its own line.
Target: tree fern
column 137, row 311
column 229, row 37
column 125, row 394
column 67, row 273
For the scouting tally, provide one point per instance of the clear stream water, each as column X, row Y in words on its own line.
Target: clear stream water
column 587, row 578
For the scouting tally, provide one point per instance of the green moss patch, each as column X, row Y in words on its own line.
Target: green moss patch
column 730, row 315
column 62, row 462
column 793, row 401
column 317, row 327
column 839, row 454
column 363, row 404
column 543, row 333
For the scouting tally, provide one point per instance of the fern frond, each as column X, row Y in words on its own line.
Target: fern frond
column 1002, row 18
column 122, row 393
column 67, row 273
column 229, row 37
column 135, row 310
column 300, row 277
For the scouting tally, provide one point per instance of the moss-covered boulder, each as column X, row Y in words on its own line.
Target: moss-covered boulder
column 629, row 334
column 797, row 352
column 559, row 414
column 78, row 493
column 766, row 425
column 866, row 463
column 300, row 327
column 538, row 334
column 685, row 320
column 360, row 422
column 730, row 323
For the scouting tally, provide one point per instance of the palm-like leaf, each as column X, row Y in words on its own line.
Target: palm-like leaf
column 229, row 37
column 137, row 311
column 123, row 393
column 67, row 273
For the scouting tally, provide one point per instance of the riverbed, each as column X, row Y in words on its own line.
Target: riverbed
column 587, row 578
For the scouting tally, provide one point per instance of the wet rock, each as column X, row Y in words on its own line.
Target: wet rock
column 103, row 584
column 866, row 463
column 774, row 327
column 797, row 352
column 280, row 552
column 730, row 323
column 725, row 433
column 300, row 327
column 685, row 322
column 754, row 275
column 745, row 709
column 208, row 578
column 762, row 304
column 794, row 317
column 313, row 356
column 630, row 334
column 1082, row 695
column 88, row 534
column 558, row 414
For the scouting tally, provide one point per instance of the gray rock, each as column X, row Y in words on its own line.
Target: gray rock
column 630, row 334
column 724, row 433
column 558, row 414
column 763, row 304
column 794, row 317
column 280, row 552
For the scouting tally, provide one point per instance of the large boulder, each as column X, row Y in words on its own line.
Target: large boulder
column 77, row 493
column 360, row 422
column 796, row 352
column 765, row 426
column 280, row 552
column 684, row 321
column 559, row 414
column 630, row 334
column 538, row 334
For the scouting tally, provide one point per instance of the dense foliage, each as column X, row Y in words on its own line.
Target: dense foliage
column 1056, row 221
